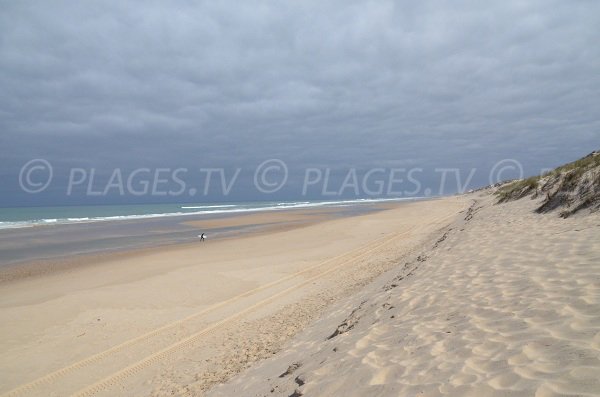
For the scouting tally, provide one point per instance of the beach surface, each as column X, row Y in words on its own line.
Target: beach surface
column 181, row 319
column 504, row 302
column 450, row 297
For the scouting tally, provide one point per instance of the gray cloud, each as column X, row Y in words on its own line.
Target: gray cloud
column 362, row 84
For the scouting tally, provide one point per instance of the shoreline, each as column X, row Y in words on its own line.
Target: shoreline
column 96, row 319
column 212, row 210
column 223, row 226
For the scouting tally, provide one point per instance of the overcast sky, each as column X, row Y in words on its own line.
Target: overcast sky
column 316, row 84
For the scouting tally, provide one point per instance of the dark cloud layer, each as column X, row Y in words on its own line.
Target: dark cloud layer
column 341, row 84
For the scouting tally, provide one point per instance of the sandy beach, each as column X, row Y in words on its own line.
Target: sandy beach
column 504, row 302
column 300, row 199
column 185, row 318
column 458, row 296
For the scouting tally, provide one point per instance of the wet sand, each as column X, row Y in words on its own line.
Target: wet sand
column 46, row 249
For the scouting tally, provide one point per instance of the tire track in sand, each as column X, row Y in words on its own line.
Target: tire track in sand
column 95, row 358
column 160, row 355
column 119, row 376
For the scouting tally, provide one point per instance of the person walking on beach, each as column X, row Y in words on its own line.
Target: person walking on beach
column 201, row 237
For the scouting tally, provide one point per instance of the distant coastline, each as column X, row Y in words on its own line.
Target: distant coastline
column 39, row 245
column 20, row 217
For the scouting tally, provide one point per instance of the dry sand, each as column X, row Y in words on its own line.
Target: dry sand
column 505, row 302
column 179, row 320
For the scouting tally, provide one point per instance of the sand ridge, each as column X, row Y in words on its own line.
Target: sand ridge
column 504, row 303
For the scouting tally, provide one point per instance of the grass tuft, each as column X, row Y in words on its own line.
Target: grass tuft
column 518, row 189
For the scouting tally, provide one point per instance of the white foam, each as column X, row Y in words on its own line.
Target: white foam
column 203, row 210
column 209, row 206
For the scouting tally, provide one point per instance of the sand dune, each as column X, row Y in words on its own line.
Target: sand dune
column 505, row 302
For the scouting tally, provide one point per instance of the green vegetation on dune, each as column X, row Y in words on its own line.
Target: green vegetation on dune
column 517, row 189
column 580, row 166
column 572, row 187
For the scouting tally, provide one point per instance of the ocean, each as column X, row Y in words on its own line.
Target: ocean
column 20, row 217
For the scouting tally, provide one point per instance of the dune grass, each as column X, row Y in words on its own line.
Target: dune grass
column 518, row 188
column 571, row 171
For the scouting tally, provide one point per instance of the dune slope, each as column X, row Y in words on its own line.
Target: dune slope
column 505, row 302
